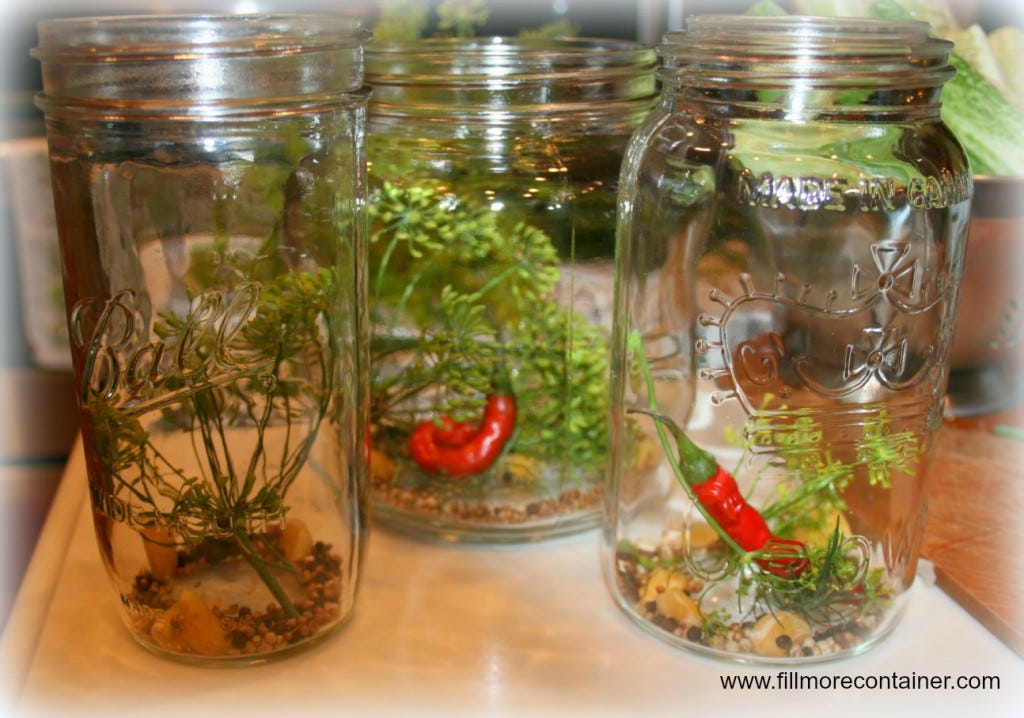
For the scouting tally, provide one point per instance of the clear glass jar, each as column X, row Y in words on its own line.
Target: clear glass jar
column 493, row 171
column 208, row 175
column 792, row 228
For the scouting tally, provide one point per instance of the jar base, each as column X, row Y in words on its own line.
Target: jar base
column 447, row 529
column 241, row 661
column 749, row 658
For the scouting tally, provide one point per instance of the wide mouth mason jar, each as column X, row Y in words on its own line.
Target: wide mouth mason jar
column 208, row 176
column 493, row 167
column 792, row 222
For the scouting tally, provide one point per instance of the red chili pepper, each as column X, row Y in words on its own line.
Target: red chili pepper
column 721, row 497
column 454, row 448
column 453, row 433
column 718, row 493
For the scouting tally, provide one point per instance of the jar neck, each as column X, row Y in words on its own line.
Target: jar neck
column 807, row 67
column 501, row 82
column 198, row 66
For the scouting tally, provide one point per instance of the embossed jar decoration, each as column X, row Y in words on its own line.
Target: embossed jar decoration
column 208, row 179
column 792, row 228
column 493, row 168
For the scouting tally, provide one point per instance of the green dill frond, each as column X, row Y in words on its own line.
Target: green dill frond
column 836, row 584
column 474, row 290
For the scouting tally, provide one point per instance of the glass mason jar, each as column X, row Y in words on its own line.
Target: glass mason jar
column 792, row 228
column 208, row 175
column 493, row 166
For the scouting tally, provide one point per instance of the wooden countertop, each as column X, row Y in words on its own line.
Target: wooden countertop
column 975, row 530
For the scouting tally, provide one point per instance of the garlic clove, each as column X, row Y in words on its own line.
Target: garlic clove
column 190, row 626
column 382, row 467
column 161, row 551
column 775, row 633
column 674, row 603
column 296, row 541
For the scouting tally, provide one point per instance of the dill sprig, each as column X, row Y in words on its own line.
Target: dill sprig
column 287, row 341
column 456, row 290
column 837, row 580
column 836, row 584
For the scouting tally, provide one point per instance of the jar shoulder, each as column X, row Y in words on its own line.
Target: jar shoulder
column 901, row 150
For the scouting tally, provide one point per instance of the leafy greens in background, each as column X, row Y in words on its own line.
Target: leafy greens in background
column 984, row 104
column 404, row 20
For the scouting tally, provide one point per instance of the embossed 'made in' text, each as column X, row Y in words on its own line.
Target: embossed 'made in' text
column 840, row 194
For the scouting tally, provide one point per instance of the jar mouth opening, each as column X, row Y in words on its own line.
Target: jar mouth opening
column 159, row 38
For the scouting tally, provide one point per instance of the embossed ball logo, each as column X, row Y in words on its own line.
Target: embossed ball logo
column 129, row 365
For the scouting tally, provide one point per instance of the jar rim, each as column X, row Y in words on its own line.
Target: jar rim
column 204, row 65
column 743, row 52
column 431, row 60
column 156, row 37
column 497, row 80
column 799, row 35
